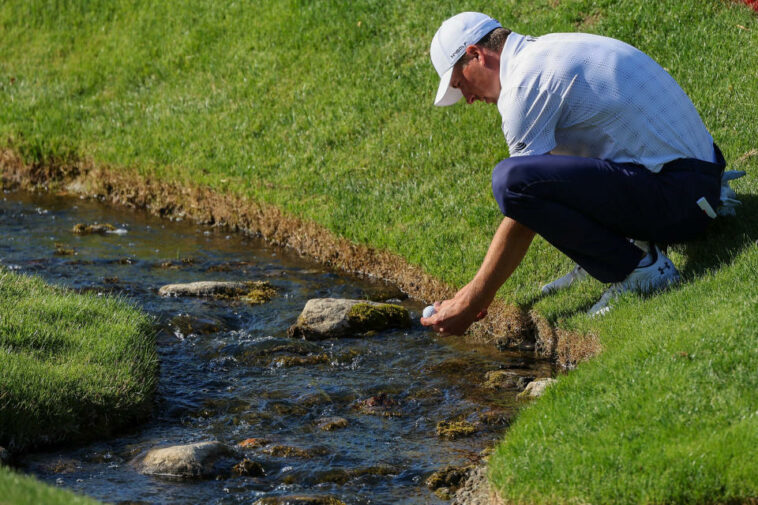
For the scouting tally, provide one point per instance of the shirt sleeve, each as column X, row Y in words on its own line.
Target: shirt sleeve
column 530, row 117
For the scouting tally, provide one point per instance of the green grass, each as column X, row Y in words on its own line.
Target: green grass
column 74, row 367
column 19, row 489
column 323, row 108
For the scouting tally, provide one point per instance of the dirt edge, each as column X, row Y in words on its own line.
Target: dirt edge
column 507, row 326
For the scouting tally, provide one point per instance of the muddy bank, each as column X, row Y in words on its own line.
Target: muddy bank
column 506, row 326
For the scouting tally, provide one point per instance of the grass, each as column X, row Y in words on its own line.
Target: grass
column 323, row 108
column 75, row 367
column 19, row 489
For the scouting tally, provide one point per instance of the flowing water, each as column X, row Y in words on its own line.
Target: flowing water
column 221, row 378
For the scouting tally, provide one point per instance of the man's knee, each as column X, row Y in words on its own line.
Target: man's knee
column 509, row 178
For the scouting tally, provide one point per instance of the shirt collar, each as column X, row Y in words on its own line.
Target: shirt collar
column 513, row 45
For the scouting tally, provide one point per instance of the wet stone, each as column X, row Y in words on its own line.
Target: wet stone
column 334, row 317
column 299, row 500
column 290, row 361
column 331, row 423
column 253, row 443
column 494, row 417
column 455, row 429
column 504, row 379
column 379, row 405
column 253, row 292
column 286, row 451
column 191, row 461
column 88, row 229
column 63, row 250
column 249, row 468
column 187, row 324
column 342, row 476
column 448, row 479
column 536, row 388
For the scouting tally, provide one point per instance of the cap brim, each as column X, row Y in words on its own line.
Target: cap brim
column 447, row 95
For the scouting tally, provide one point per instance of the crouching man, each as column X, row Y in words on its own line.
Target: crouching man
column 608, row 157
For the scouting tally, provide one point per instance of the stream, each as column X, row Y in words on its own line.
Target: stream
column 220, row 378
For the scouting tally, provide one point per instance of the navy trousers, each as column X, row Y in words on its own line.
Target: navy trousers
column 590, row 208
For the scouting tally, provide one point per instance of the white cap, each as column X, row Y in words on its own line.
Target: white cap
column 450, row 43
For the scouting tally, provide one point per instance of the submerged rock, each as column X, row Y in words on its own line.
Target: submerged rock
column 331, row 423
column 379, row 405
column 88, row 229
column 455, row 429
column 252, row 443
column 191, row 461
column 536, row 388
column 290, row 361
column 299, row 500
column 249, row 468
column 334, row 317
column 286, row 451
column 504, row 379
column 253, row 292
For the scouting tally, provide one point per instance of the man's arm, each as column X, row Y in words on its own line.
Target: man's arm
column 507, row 249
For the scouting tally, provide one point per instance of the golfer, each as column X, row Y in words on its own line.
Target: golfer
column 608, row 158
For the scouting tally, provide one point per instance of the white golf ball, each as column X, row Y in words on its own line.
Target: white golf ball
column 429, row 311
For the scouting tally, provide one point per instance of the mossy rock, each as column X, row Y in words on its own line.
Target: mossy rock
column 448, row 479
column 375, row 317
column 334, row 317
column 249, row 468
column 88, row 229
column 252, row 292
column 455, row 429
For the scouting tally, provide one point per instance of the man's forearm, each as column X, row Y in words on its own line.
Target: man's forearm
column 507, row 249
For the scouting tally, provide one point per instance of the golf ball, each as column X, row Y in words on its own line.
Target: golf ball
column 429, row 311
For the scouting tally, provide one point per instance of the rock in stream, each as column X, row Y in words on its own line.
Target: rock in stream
column 335, row 317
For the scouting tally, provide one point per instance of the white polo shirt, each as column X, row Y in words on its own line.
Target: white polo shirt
column 597, row 97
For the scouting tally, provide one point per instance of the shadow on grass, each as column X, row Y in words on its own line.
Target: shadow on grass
column 725, row 239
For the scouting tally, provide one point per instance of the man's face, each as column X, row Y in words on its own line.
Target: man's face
column 475, row 79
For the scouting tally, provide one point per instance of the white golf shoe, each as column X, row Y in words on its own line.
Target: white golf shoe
column 578, row 274
column 657, row 276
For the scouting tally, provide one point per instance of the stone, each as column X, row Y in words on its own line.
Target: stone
column 88, row 229
column 449, row 478
column 331, row 423
column 379, row 405
column 504, row 379
column 536, row 388
column 249, row 468
column 455, row 429
column 475, row 488
column 299, row 500
column 335, row 317
column 290, row 361
column 252, row 443
column 286, row 451
column 253, row 292
column 191, row 461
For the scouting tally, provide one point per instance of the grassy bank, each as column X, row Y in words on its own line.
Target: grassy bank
column 74, row 367
column 323, row 109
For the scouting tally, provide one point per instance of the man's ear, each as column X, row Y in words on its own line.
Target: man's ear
column 473, row 52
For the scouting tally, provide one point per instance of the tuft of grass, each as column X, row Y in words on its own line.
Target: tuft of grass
column 74, row 367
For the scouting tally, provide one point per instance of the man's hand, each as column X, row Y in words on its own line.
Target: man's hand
column 507, row 249
column 454, row 316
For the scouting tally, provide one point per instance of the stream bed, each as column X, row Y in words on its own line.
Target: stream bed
column 221, row 377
